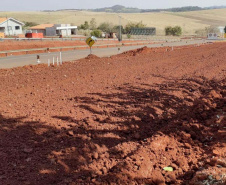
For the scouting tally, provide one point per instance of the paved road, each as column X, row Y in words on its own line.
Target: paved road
column 16, row 61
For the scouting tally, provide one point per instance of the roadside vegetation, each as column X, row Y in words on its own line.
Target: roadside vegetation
column 204, row 32
column 174, row 31
column 91, row 28
column 29, row 24
column 190, row 21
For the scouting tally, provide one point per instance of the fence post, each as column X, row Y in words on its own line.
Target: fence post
column 61, row 62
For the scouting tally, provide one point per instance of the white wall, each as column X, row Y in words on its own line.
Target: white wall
column 64, row 33
column 10, row 27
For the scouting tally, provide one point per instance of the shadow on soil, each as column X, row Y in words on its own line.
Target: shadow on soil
column 88, row 152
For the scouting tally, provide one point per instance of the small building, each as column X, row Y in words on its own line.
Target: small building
column 11, row 26
column 41, row 28
column 49, row 30
column 111, row 35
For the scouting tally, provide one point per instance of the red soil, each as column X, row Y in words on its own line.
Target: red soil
column 32, row 44
column 91, row 57
column 117, row 120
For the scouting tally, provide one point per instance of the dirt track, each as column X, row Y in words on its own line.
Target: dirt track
column 117, row 120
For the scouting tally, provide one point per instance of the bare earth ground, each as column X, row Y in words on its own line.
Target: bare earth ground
column 17, row 45
column 28, row 44
column 117, row 120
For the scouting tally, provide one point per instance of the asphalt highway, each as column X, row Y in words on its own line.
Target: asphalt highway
column 31, row 59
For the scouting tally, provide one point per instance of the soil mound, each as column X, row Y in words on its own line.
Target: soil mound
column 91, row 56
column 143, row 50
column 116, row 121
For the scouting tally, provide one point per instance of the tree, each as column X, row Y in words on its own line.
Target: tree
column 106, row 27
column 131, row 25
column 168, row 30
column 85, row 26
column 225, row 29
column 212, row 29
column 175, row 31
column 116, row 29
column 205, row 31
column 96, row 33
column 29, row 24
column 93, row 24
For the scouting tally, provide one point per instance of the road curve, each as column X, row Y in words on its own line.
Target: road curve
column 22, row 60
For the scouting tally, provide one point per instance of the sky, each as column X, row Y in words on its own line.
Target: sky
column 36, row 5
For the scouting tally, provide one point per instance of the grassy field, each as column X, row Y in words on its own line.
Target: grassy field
column 189, row 21
column 210, row 17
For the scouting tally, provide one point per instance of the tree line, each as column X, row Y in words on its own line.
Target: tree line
column 107, row 27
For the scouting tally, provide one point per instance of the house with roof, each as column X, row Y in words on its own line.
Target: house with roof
column 11, row 26
column 41, row 28
column 49, row 30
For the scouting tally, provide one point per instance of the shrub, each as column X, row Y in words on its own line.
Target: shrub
column 93, row 24
column 210, row 29
column 131, row 25
column 84, row 26
column 85, row 34
column 96, row 33
column 128, row 36
column 117, row 28
column 175, row 31
column 168, row 30
column 106, row 27
column 30, row 24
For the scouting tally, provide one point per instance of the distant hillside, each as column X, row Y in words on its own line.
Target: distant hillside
column 215, row 7
column 189, row 21
column 181, row 9
column 123, row 9
column 117, row 9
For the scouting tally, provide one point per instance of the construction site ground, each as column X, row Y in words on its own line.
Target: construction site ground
column 117, row 120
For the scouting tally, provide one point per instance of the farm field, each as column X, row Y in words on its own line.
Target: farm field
column 211, row 17
column 189, row 21
column 117, row 120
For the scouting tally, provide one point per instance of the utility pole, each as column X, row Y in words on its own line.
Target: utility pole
column 120, row 29
column 7, row 24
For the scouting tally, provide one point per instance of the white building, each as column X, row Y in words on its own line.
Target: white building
column 64, row 30
column 11, row 26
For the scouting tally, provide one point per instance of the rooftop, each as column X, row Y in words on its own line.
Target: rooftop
column 41, row 26
column 2, row 19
